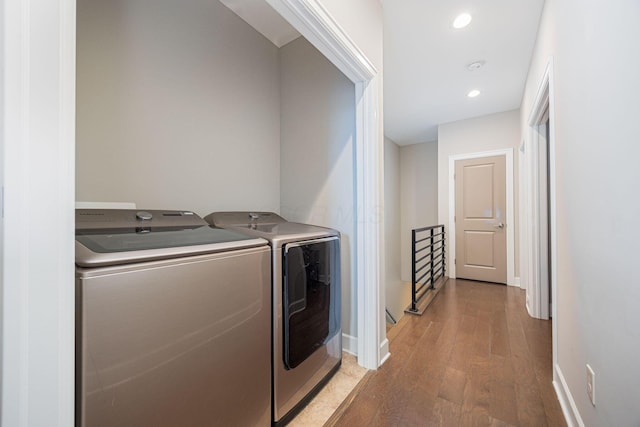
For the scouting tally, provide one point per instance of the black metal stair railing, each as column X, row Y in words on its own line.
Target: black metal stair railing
column 428, row 261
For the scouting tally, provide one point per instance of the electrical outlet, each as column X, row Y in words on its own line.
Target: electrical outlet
column 591, row 385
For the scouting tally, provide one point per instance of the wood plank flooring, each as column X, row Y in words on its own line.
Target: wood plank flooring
column 475, row 358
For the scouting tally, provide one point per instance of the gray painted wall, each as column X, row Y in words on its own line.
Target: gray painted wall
column 596, row 61
column 410, row 201
column 419, row 195
column 177, row 107
column 397, row 293
column 317, row 153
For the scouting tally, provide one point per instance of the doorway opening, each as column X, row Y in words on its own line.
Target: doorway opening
column 544, row 231
column 39, row 67
column 539, row 245
column 508, row 216
column 540, row 182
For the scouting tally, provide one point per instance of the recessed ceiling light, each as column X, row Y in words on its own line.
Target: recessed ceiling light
column 473, row 93
column 461, row 20
column 475, row 65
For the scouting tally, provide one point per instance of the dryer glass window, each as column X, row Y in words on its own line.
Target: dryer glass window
column 311, row 296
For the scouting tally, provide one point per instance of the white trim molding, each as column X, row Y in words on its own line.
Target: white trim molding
column 567, row 403
column 38, row 167
column 510, row 226
column 530, row 259
column 350, row 344
column 384, row 350
column 317, row 25
column 313, row 21
column 530, row 239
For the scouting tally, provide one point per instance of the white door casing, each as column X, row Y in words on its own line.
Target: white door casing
column 543, row 102
column 508, row 153
column 38, row 144
column 531, row 258
column 313, row 21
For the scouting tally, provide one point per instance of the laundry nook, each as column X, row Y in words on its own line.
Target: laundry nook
column 196, row 137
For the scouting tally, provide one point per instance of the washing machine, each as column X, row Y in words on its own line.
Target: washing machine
column 307, row 338
column 173, row 321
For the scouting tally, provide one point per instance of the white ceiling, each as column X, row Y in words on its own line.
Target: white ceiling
column 261, row 16
column 425, row 59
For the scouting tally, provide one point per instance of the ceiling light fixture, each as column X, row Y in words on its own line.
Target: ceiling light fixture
column 461, row 20
column 473, row 93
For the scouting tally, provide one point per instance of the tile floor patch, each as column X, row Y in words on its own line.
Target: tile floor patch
column 325, row 403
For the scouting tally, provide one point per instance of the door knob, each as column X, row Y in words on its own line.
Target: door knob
column 499, row 225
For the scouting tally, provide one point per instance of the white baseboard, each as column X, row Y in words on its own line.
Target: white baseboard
column 528, row 306
column 569, row 408
column 515, row 282
column 350, row 344
column 384, row 352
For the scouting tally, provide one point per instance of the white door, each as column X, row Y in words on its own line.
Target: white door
column 480, row 216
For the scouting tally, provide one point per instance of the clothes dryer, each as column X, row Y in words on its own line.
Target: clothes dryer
column 307, row 338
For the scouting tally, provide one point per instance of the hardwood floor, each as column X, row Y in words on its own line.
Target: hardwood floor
column 475, row 358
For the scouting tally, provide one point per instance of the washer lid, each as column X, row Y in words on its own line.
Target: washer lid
column 121, row 237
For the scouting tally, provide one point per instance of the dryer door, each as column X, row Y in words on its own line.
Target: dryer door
column 311, row 297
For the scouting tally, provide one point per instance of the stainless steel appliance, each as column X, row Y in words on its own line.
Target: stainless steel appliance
column 307, row 338
column 173, row 322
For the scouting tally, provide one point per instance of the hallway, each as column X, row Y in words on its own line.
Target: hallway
column 475, row 358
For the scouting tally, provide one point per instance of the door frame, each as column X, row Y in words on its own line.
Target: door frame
column 37, row 266
column 311, row 19
column 510, row 217
column 545, row 98
column 537, row 297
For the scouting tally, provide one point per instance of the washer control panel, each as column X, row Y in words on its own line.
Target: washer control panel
column 94, row 219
